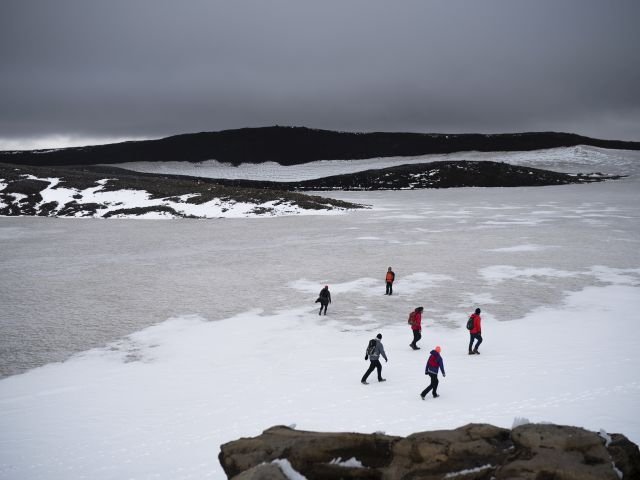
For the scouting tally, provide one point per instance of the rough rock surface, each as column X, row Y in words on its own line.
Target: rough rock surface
column 471, row 452
column 20, row 193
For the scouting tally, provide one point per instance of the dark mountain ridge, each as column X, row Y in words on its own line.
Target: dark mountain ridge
column 296, row 145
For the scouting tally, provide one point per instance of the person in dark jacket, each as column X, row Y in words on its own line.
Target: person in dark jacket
column 390, row 277
column 324, row 298
column 434, row 364
column 415, row 320
column 374, row 358
column 475, row 333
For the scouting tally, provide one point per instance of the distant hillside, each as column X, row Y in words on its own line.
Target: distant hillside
column 296, row 145
column 104, row 191
column 430, row 175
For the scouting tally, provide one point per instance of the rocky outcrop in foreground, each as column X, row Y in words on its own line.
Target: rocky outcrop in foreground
column 471, row 452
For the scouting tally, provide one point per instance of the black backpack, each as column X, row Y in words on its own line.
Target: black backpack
column 470, row 323
column 371, row 348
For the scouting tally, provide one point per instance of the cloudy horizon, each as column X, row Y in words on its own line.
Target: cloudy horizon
column 78, row 73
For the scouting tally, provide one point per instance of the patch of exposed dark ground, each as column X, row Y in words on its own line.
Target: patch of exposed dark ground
column 441, row 174
column 158, row 187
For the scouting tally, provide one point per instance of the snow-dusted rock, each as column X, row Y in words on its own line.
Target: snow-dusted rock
column 474, row 451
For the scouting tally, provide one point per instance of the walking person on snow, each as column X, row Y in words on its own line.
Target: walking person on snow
column 374, row 350
column 415, row 320
column 475, row 332
column 434, row 364
column 324, row 298
column 389, row 279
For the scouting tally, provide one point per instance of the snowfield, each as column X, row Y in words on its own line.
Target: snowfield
column 207, row 330
column 160, row 402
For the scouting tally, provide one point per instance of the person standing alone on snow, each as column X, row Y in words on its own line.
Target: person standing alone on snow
column 389, row 279
column 434, row 364
column 374, row 350
column 475, row 332
column 324, row 298
column 415, row 320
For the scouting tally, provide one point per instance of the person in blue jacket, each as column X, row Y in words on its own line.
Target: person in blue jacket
column 434, row 364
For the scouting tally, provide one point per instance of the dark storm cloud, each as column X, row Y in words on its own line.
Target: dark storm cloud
column 151, row 68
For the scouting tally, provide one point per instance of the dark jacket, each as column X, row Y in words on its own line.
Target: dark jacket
column 324, row 296
column 434, row 363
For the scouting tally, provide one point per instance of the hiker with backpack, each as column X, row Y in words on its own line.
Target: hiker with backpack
column 373, row 352
column 324, row 297
column 475, row 332
column 434, row 364
column 390, row 277
column 415, row 320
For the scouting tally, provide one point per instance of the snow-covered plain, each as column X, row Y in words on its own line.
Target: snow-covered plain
column 159, row 403
column 556, row 271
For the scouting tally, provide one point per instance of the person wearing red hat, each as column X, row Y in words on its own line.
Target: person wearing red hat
column 324, row 298
column 434, row 364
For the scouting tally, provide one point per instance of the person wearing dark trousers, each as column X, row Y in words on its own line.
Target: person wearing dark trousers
column 324, row 298
column 434, row 364
column 391, row 276
column 373, row 354
column 415, row 320
column 475, row 333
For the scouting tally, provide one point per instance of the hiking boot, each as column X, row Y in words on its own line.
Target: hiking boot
column 364, row 382
column 476, row 352
column 382, row 379
column 471, row 353
column 435, row 395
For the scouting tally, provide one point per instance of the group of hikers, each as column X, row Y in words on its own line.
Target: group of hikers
column 435, row 363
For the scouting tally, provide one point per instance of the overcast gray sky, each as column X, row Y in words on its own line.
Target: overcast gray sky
column 84, row 71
